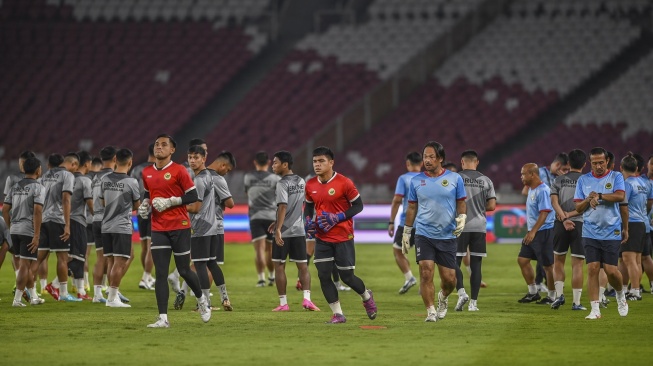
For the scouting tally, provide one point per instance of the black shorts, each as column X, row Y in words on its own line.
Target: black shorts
column 51, row 238
column 200, row 248
column 399, row 236
column 440, row 251
column 636, row 238
column 97, row 234
column 476, row 243
column 648, row 245
column 540, row 249
column 603, row 251
column 293, row 248
column 217, row 248
column 78, row 240
column 259, row 229
column 20, row 243
column 90, row 238
column 117, row 245
column 176, row 240
column 563, row 240
column 144, row 227
column 342, row 253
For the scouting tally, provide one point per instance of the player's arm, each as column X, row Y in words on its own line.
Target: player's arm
column 616, row 196
column 461, row 207
column 562, row 215
column 5, row 214
column 281, row 216
column 491, row 204
column 649, row 205
column 65, row 204
column 394, row 208
column 541, row 219
column 583, row 204
column 194, row 207
column 524, row 191
column 38, row 216
column 89, row 204
column 411, row 213
column 228, row 203
column 355, row 209
column 623, row 212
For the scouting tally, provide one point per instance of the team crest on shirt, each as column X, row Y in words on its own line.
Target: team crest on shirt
column 445, row 183
column 167, row 176
column 617, row 232
column 608, row 185
column 332, row 192
column 533, row 197
column 184, row 223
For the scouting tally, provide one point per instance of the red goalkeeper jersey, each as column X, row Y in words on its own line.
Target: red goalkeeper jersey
column 171, row 181
column 334, row 196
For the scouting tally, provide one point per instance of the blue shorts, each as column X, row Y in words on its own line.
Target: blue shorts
column 603, row 251
column 441, row 251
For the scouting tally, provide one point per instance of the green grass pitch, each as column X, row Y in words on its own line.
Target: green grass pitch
column 503, row 332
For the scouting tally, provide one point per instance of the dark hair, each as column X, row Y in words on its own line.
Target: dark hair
column 599, row 151
column 31, row 165
column 640, row 162
column 26, row 154
column 96, row 161
column 609, row 158
column 284, row 157
column 261, row 158
column 562, row 158
column 577, row 159
column 172, row 141
column 55, row 160
column 71, row 155
column 150, row 149
column 439, row 149
column 84, row 157
column 469, row 154
column 448, row 164
column 108, row 153
column 194, row 142
column 323, row 150
column 414, row 157
column 197, row 149
column 629, row 163
column 123, row 156
column 226, row 155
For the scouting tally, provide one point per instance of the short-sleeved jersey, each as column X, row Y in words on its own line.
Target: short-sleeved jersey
column 401, row 190
column 260, row 188
column 604, row 221
column 170, row 181
column 564, row 187
column 637, row 192
column 649, row 216
column 546, row 176
column 81, row 192
column 539, row 200
column 137, row 173
column 436, row 203
column 334, row 195
column 11, row 180
column 479, row 189
column 204, row 223
column 119, row 192
column 56, row 181
column 290, row 190
column 5, row 236
column 89, row 214
column 222, row 194
column 22, row 197
column 98, row 208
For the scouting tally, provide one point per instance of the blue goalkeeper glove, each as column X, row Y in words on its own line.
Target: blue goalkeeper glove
column 309, row 228
column 327, row 220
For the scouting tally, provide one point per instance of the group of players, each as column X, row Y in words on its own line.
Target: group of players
column 181, row 210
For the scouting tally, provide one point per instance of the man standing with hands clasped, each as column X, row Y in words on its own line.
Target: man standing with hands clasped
column 436, row 206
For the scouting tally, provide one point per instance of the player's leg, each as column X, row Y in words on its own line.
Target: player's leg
column 100, row 263
column 543, row 246
column 402, row 260
column 145, row 234
column 217, row 259
column 121, row 251
column 526, row 254
column 425, row 256
column 561, row 243
column 610, row 252
column 279, row 255
column 462, row 243
column 297, row 254
column 310, row 250
column 260, row 260
column 477, row 250
column 445, row 258
column 180, row 242
column 62, row 249
column 324, row 262
column 78, row 246
column 200, row 248
column 90, row 248
column 161, row 250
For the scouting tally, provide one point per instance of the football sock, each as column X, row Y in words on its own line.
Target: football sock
column 577, row 292
column 18, row 295
column 559, row 285
column 261, row 276
column 223, row 292
column 63, row 289
column 366, row 295
column 430, row 309
column 408, row 275
column 335, row 307
column 283, row 300
column 532, row 289
column 307, row 295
